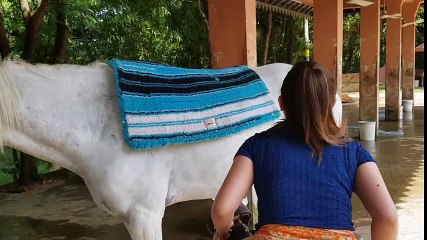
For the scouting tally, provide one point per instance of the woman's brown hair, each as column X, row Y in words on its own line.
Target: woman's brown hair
column 308, row 96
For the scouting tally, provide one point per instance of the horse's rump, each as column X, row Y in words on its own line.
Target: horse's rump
column 162, row 105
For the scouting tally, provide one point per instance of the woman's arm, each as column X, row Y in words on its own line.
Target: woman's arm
column 235, row 187
column 373, row 193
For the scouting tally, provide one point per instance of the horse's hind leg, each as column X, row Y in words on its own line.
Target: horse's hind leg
column 145, row 224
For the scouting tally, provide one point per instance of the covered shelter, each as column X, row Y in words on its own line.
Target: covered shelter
column 232, row 33
column 232, row 26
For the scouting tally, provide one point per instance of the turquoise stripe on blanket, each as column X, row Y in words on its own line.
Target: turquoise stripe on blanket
column 191, row 102
column 162, row 105
column 153, row 68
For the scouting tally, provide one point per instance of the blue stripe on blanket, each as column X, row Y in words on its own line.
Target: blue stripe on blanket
column 162, row 105
column 190, row 102
column 162, row 69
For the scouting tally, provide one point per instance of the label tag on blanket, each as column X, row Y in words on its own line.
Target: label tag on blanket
column 210, row 123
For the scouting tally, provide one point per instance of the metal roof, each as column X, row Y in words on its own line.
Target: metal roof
column 290, row 7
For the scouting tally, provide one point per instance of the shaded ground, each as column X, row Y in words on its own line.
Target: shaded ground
column 66, row 210
column 399, row 151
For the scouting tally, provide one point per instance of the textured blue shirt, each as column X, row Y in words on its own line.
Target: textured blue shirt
column 293, row 189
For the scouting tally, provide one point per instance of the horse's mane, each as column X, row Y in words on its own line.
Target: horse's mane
column 9, row 101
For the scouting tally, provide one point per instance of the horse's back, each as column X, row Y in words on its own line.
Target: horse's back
column 273, row 76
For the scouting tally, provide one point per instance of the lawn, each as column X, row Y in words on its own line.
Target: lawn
column 417, row 90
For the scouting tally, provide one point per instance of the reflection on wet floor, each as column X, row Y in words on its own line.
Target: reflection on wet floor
column 68, row 212
column 399, row 151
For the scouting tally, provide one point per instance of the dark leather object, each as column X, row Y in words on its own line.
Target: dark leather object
column 243, row 214
column 240, row 229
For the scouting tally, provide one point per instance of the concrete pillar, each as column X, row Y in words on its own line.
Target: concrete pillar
column 393, row 93
column 369, row 61
column 232, row 33
column 409, row 12
column 327, row 36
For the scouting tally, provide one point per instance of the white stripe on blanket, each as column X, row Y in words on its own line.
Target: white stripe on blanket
column 188, row 116
column 196, row 127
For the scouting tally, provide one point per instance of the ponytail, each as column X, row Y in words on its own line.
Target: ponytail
column 308, row 94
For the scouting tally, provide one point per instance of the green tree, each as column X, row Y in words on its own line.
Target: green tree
column 419, row 57
column 351, row 43
column 4, row 41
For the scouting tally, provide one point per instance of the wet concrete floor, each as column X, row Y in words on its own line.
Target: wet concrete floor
column 68, row 212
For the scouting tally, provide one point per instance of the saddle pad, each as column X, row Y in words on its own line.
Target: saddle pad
column 162, row 105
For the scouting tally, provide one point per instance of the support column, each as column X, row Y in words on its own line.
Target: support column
column 369, row 61
column 327, row 36
column 393, row 62
column 232, row 33
column 409, row 12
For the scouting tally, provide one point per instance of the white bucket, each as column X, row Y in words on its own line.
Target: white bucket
column 417, row 83
column 367, row 130
column 408, row 116
column 407, row 105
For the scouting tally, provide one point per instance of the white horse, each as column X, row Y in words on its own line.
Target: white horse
column 68, row 115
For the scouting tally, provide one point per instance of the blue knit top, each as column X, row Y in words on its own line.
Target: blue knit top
column 293, row 189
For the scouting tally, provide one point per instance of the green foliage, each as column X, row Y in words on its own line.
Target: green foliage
column 420, row 26
column 172, row 32
column 351, row 43
column 419, row 57
column 7, row 168
column 287, row 43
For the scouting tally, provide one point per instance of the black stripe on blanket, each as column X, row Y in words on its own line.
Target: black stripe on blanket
column 201, row 88
column 179, row 79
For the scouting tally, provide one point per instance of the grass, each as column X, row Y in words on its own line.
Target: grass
column 416, row 90
column 419, row 90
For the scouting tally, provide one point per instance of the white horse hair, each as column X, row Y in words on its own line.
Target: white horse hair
column 68, row 115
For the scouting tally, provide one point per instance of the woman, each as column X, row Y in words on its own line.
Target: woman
column 305, row 169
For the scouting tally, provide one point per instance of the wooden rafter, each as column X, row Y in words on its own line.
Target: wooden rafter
column 288, row 7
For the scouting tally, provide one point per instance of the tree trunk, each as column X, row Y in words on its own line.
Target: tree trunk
column 290, row 39
column 283, row 39
column 16, row 163
column 4, row 41
column 267, row 36
column 30, row 43
column 32, row 22
column 203, row 9
column 61, row 38
column 28, row 169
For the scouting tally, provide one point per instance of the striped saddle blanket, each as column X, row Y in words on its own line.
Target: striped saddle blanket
column 162, row 105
